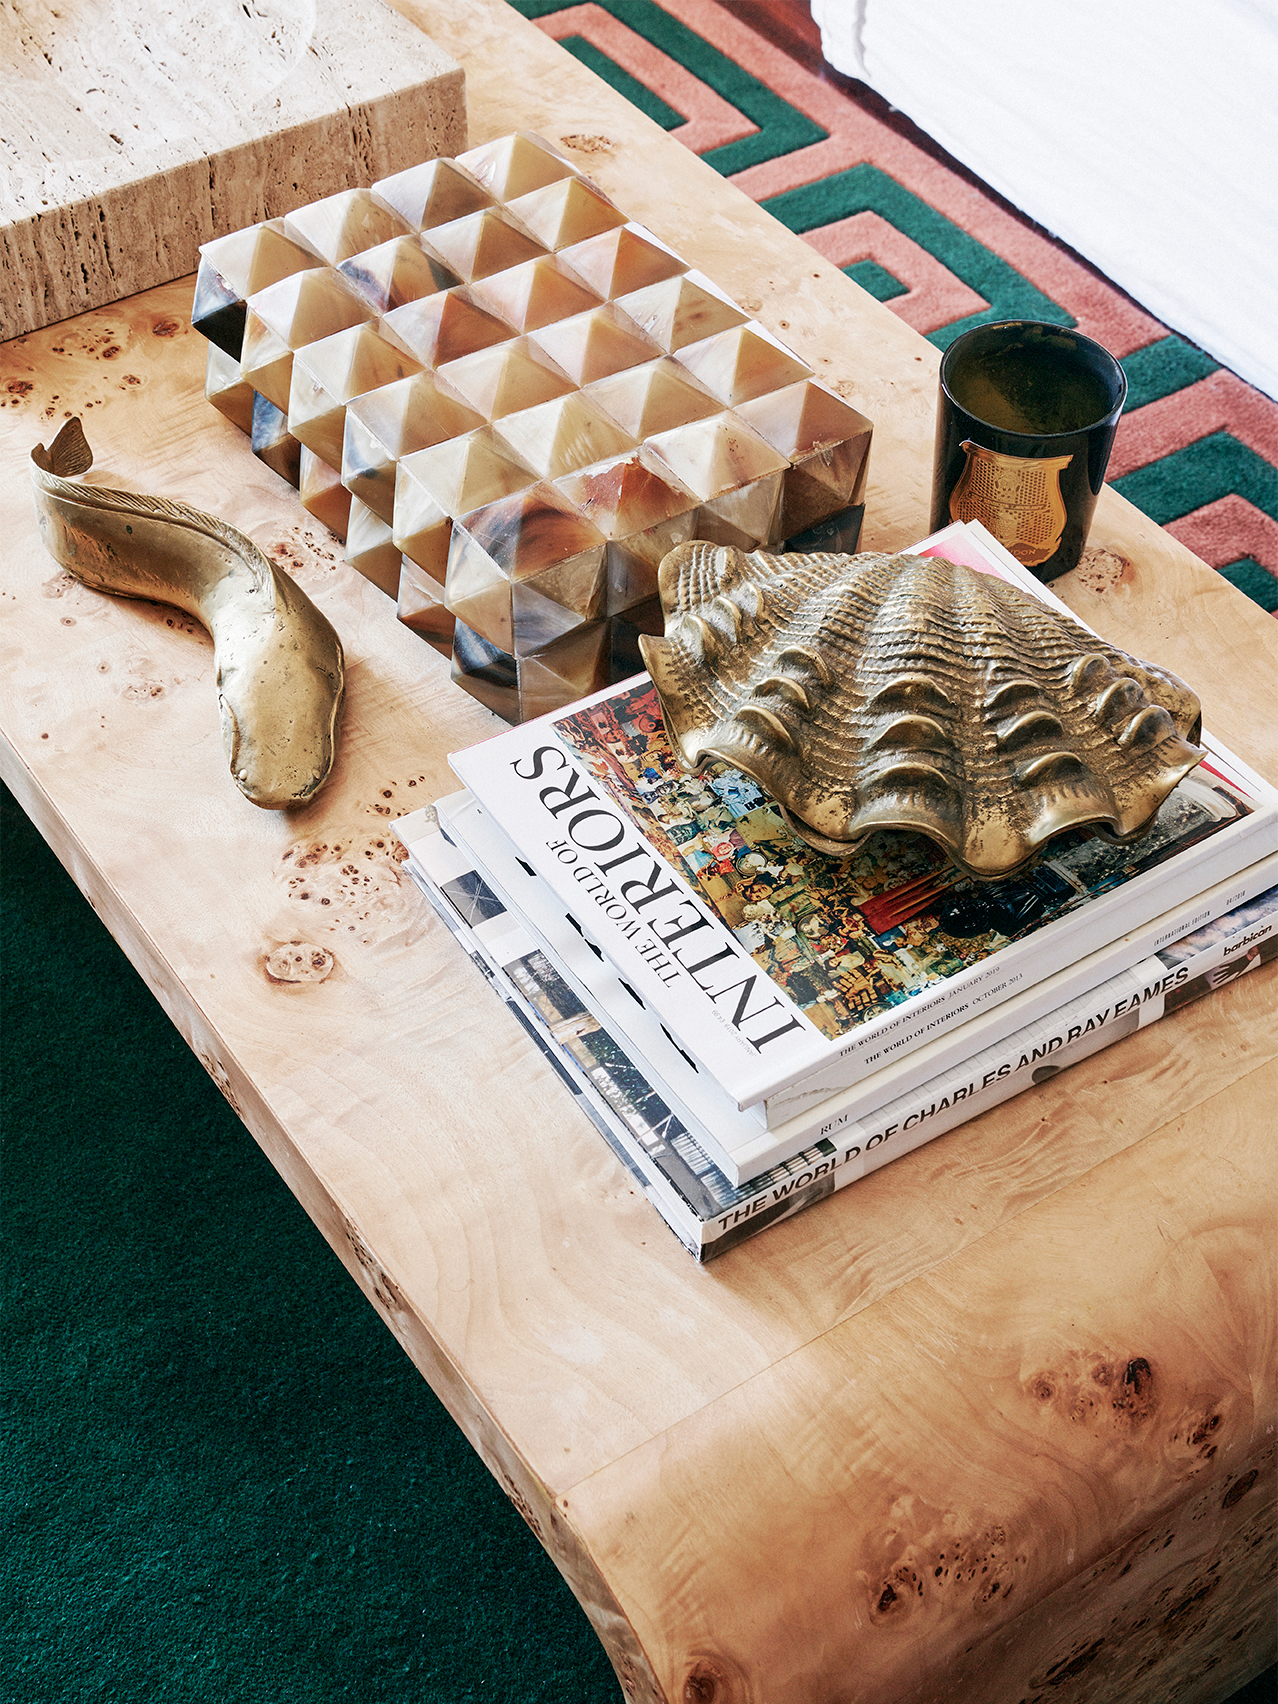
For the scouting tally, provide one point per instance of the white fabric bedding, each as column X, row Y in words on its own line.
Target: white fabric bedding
column 1144, row 133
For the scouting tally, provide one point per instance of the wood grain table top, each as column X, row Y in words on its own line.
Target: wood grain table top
column 994, row 1423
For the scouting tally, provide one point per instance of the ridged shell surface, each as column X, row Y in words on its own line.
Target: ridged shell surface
column 906, row 692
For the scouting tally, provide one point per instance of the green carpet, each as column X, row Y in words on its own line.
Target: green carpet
column 223, row 1479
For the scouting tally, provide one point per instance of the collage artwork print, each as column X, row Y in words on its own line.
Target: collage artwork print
column 849, row 938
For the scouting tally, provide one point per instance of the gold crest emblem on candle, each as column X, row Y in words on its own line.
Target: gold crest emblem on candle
column 1017, row 497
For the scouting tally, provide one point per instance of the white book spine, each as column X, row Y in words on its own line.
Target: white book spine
column 1126, row 1002
column 641, row 912
column 740, row 1144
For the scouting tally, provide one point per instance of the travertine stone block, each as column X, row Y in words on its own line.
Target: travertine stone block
column 327, row 374
column 384, row 425
column 323, row 494
column 137, row 130
column 401, row 270
column 370, row 549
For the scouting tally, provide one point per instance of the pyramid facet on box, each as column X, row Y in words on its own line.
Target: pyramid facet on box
column 514, row 165
column 273, row 443
column 526, row 570
column 827, row 444
column 235, row 267
column 434, row 193
column 585, row 402
column 505, row 378
column 642, row 512
column 535, row 293
column 595, row 344
column 344, row 224
column 298, row 310
column 327, row 374
column 566, row 212
column 565, row 433
column 323, row 495
column 736, row 474
column 681, row 310
column 480, row 243
column 447, row 479
column 625, row 259
column 486, row 672
column 421, row 607
column 742, row 363
column 444, row 327
column 402, row 270
column 652, row 398
column 384, row 425
column 370, row 549
column 225, row 388
column 566, row 669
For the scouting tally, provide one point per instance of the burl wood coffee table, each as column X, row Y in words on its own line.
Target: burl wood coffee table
column 998, row 1422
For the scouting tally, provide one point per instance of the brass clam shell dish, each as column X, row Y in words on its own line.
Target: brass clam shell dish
column 904, row 692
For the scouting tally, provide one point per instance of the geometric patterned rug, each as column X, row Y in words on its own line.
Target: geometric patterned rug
column 744, row 86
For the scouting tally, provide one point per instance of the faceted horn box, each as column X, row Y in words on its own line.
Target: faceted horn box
column 904, row 692
column 525, row 400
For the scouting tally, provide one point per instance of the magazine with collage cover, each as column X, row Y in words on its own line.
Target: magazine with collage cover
column 705, row 1209
column 741, row 1142
column 779, row 968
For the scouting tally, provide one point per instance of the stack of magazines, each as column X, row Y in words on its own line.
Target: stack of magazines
column 752, row 1024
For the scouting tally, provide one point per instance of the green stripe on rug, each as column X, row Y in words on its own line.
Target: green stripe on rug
column 1161, row 368
column 1215, row 466
column 637, row 93
column 867, row 189
column 781, row 127
column 877, row 280
column 1253, row 581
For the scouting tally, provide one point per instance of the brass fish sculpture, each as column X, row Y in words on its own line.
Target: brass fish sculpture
column 280, row 666
column 905, row 692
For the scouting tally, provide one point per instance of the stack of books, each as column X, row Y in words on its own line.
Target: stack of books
column 752, row 1024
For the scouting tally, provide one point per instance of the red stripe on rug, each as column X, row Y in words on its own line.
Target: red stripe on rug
column 1220, row 402
column 1227, row 529
column 712, row 121
column 1100, row 310
column 934, row 295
